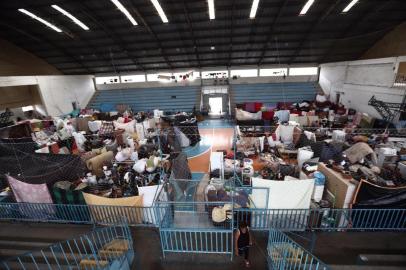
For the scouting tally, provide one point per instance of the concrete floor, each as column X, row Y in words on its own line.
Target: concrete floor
column 339, row 249
column 343, row 248
column 149, row 256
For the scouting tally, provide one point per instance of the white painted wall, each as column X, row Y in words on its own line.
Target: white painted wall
column 358, row 81
column 57, row 92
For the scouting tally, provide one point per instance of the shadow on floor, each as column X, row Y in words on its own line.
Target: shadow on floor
column 149, row 255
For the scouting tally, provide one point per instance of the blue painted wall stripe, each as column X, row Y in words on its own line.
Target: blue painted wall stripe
column 148, row 99
column 271, row 93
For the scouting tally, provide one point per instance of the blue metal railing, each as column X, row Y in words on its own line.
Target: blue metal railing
column 103, row 248
column 197, row 241
column 323, row 219
column 162, row 214
column 80, row 214
column 284, row 253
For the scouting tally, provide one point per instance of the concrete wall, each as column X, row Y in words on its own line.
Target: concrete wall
column 392, row 44
column 19, row 96
column 15, row 61
column 56, row 92
column 358, row 81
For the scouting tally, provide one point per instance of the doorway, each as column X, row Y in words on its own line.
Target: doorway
column 216, row 105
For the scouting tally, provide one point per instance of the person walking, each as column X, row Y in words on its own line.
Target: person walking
column 243, row 241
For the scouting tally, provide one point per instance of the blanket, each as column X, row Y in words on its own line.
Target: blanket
column 95, row 164
column 294, row 194
column 241, row 115
column 130, row 208
column 29, row 193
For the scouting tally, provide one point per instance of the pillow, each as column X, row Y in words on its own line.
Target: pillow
column 243, row 115
column 139, row 166
column 128, row 127
column 123, row 155
column 218, row 215
column 321, row 98
column 94, row 125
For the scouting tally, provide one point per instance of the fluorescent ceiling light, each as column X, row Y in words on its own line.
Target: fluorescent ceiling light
column 254, row 9
column 306, row 7
column 70, row 16
column 350, row 5
column 160, row 11
column 212, row 14
column 35, row 17
column 125, row 11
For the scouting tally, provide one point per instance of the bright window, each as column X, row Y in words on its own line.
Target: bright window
column 264, row 72
column 107, row 80
column 186, row 75
column 244, row 73
column 27, row 108
column 303, row 71
column 215, row 90
column 159, row 77
column 133, row 78
column 215, row 74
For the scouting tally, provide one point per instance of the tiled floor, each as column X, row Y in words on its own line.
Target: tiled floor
column 213, row 139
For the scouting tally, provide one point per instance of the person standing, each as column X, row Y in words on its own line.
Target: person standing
column 243, row 241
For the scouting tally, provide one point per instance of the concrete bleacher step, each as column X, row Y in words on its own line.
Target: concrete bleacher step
column 59, row 260
column 32, row 266
column 365, row 267
column 215, row 259
column 382, row 259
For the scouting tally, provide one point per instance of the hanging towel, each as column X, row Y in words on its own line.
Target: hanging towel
column 29, row 193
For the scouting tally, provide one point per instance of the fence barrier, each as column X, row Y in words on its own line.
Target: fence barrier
column 323, row 219
column 197, row 241
column 284, row 253
column 103, row 248
column 162, row 215
column 79, row 214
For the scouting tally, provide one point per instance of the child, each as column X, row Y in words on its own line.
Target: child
column 243, row 241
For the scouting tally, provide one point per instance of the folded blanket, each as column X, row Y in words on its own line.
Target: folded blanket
column 96, row 163
column 131, row 208
column 243, row 115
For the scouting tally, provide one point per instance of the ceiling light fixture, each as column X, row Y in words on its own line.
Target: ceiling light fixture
column 125, row 11
column 254, row 9
column 350, row 5
column 306, row 7
column 212, row 14
column 160, row 11
column 70, row 16
column 35, row 17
